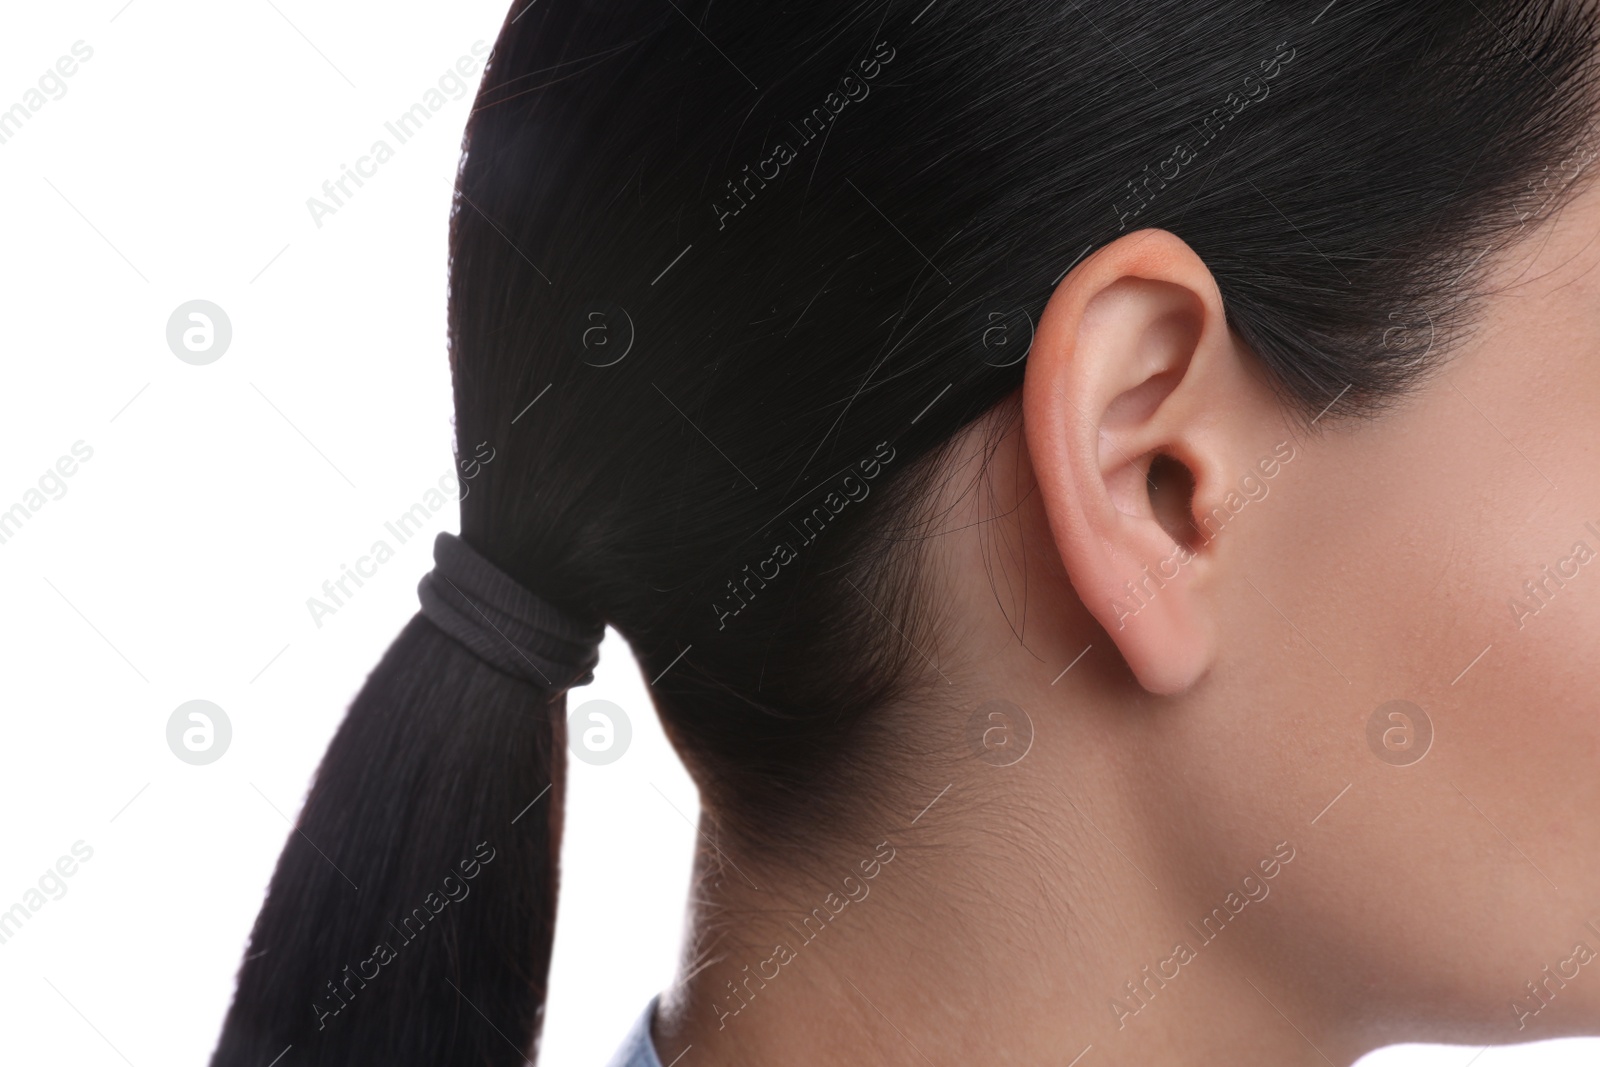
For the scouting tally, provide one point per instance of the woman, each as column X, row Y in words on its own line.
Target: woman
column 1104, row 494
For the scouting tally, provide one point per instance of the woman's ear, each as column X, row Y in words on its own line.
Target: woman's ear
column 1141, row 411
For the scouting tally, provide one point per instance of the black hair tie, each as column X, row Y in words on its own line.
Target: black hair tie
column 486, row 611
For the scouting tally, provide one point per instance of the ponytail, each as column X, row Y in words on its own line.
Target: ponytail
column 411, row 915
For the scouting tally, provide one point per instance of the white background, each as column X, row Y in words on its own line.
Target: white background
column 178, row 561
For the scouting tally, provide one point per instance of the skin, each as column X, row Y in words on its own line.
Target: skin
column 1225, row 722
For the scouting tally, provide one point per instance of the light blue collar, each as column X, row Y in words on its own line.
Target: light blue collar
column 636, row 1049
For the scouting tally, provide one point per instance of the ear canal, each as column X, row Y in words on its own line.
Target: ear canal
column 1172, row 499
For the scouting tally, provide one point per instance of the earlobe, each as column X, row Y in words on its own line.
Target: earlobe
column 1136, row 402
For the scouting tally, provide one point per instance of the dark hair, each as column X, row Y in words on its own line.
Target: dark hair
column 725, row 282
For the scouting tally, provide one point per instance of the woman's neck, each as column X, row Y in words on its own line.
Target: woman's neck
column 918, row 949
